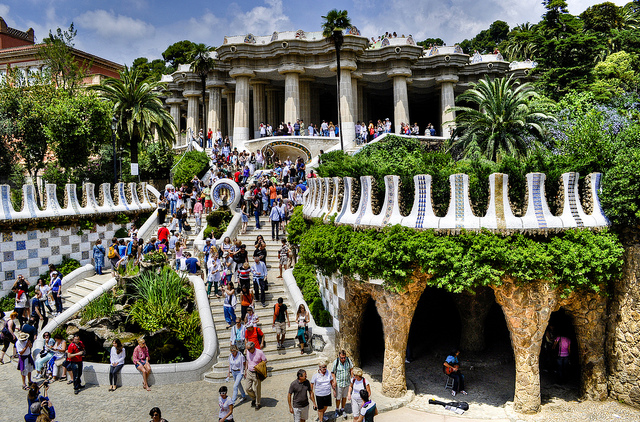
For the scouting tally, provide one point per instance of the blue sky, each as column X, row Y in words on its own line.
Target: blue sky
column 122, row 30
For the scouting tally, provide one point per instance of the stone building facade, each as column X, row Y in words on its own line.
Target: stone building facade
column 292, row 75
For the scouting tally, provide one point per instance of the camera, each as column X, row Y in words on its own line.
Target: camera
column 45, row 384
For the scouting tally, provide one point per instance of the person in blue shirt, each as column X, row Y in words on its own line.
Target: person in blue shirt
column 56, row 291
column 193, row 265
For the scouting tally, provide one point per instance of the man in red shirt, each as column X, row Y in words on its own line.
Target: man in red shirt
column 252, row 333
column 75, row 352
column 163, row 233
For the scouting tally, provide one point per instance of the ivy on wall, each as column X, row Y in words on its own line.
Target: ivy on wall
column 570, row 260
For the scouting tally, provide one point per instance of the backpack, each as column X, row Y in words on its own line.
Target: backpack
column 112, row 252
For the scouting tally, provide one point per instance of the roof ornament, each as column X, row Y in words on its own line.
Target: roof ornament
column 249, row 39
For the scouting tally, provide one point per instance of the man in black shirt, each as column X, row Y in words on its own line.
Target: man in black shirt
column 261, row 251
column 300, row 389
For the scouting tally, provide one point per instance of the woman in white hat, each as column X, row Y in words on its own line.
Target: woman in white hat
column 25, row 361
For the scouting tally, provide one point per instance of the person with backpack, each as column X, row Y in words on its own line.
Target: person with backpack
column 342, row 372
column 280, row 315
column 358, row 383
column 114, row 255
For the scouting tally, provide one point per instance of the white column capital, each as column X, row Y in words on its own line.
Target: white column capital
column 447, row 78
column 290, row 68
column 241, row 71
column 399, row 71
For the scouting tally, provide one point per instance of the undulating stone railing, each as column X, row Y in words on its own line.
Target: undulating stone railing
column 126, row 199
column 323, row 200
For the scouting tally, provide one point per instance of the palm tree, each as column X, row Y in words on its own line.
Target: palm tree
column 504, row 123
column 138, row 109
column 201, row 64
column 334, row 23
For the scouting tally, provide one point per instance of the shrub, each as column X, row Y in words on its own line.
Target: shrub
column 121, row 232
column 193, row 163
column 217, row 223
column 66, row 266
column 305, row 276
column 103, row 306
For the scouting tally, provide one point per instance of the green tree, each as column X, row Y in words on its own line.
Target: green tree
column 65, row 68
column 505, row 123
column 603, row 17
column 153, row 70
column 139, row 110
column 487, row 40
column 201, row 64
column 431, row 41
column 614, row 77
column 333, row 26
column 178, row 53
column 522, row 43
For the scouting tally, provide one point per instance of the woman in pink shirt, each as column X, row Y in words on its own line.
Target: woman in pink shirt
column 197, row 211
column 140, row 359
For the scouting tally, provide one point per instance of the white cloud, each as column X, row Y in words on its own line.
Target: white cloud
column 4, row 10
column 260, row 20
column 109, row 25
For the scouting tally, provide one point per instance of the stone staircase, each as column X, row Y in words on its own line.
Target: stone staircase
column 287, row 360
column 81, row 288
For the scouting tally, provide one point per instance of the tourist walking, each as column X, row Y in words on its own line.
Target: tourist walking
column 156, row 415
column 237, row 364
column 98, row 256
column 254, row 357
column 298, row 398
column 259, row 271
column 342, row 374
column 280, row 316
column 56, row 291
column 226, row 405
column 75, row 353
column 25, row 360
column 275, row 218
column 368, row 409
column 116, row 361
column 140, row 359
column 322, row 384
column 358, row 382
column 302, row 318
column 8, row 335
column 229, row 305
column 283, row 255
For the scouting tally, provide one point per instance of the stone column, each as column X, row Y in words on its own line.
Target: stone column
column 272, row 105
column 526, row 309
column 589, row 312
column 473, row 310
column 231, row 101
column 175, row 103
column 315, row 108
column 214, row 112
column 258, row 106
column 291, row 92
column 347, row 109
column 447, row 101
column 624, row 328
column 400, row 97
column 241, row 113
column 305, row 101
column 396, row 312
column 193, row 97
column 350, row 314
column 360, row 101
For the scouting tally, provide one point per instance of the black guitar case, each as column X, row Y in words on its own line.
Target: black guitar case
column 459, row 404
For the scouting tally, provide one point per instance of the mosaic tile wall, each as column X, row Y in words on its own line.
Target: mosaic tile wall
column 31, row 253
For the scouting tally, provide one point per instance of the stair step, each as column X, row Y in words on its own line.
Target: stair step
column 218, row 375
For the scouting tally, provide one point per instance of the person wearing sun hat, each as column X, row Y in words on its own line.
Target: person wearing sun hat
column 25, row 360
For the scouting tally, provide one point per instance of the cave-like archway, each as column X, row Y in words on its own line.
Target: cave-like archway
column 371, row 337
column 559, row 377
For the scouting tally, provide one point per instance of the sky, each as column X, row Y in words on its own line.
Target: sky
column 123, row 30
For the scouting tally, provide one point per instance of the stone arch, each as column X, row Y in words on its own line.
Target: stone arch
column 283, row 145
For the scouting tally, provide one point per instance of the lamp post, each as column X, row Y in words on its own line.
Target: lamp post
column 114, row 126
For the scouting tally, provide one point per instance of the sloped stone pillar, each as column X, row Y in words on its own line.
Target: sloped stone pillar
column 473, row 310
column 350, row 314
column 396, row 311
column 623, row 346
column 526, row 309
column 589, row 315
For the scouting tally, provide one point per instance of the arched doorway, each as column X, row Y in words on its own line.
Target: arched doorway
column 371, row 337
column 559, row 377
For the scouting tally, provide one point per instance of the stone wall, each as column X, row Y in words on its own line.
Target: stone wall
column 30, row 253
column 623, row 336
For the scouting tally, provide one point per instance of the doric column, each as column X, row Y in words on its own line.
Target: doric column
column 258, row 106
column 272, row 105
column 447, row 101
column 363, row 105
column 241, row 114
column 291, row 92
column 214, row 112
column 400, row 97
column 354, row 95
column 231, row 100
column 305, row 101
column 346, row 102
column 175, row 103
column 193, row 96
column 316, row 119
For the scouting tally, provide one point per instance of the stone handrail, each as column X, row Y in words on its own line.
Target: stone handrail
column 171, row 373
column 323, row 192
column 149, row 228
column 126, row 200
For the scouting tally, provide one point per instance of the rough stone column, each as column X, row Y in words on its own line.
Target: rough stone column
column 400, row 97
column 396, row 312
column 350, row 314
column 589, row 319
column 305, row 101
column 291, row 92
column 231, row 101
column 192, row 110
column 214, row 113
column 241, row 109
column 447, row 101
column 473, row 310
column 526, row 310
column 623, row 347
column 272, row 107
column 258, row 106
